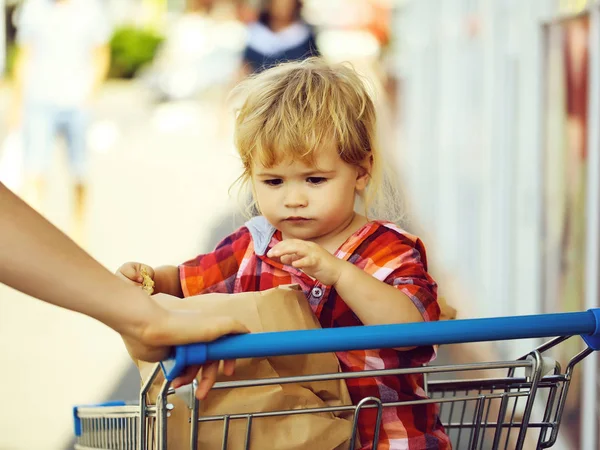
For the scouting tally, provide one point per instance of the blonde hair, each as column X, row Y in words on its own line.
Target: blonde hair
column 290, row 110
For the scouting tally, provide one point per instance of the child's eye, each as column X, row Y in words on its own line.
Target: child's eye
column 273, row 182
column 316, row 180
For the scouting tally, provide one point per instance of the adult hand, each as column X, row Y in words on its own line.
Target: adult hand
column 177, row 327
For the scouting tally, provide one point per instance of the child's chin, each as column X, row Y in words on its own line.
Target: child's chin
column 300, row 232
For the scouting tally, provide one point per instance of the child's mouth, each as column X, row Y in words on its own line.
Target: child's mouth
column 296, row 219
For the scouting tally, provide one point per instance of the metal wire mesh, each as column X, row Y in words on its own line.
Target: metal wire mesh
column 510, row 412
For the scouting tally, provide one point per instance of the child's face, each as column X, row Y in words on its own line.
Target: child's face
column 309, row 202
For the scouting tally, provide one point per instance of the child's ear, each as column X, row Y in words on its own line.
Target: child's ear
column 363, row 174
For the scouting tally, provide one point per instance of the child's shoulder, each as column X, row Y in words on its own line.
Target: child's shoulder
column 387, row 244
column 240, row 237
column 386, row 233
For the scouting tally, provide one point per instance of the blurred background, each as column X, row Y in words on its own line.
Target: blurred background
column 118, row 131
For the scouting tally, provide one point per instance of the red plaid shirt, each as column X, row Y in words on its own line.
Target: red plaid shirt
column 239, row 264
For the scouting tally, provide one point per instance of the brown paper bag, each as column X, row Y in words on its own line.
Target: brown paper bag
column 279, row 309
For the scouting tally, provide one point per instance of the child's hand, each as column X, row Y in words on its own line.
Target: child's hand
column 132, row 272
column 309, row 257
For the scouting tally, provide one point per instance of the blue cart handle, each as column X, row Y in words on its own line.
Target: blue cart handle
column 254, row 345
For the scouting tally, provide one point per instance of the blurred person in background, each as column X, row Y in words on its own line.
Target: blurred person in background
column 63, row 58
column 201, row 52
column 278, row 35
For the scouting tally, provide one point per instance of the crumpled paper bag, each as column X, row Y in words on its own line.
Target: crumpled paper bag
column 278, row 309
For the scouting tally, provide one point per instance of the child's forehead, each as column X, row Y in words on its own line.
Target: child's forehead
column 321, row 159
column 292, row 166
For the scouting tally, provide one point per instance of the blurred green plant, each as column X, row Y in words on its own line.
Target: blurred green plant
column 131, row 48
column 11, row 55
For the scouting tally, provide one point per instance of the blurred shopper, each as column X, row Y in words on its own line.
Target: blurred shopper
column 63, row 57
column 201, row 52
column 279, row 35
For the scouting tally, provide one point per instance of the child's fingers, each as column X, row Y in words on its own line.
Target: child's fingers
column 129, row 273
column 287, row 247
column 289, row 259
column 129, row 278
column 307, row 261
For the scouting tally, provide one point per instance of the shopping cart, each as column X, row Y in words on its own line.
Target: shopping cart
column 525, row 405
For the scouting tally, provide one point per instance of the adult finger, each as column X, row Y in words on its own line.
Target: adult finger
column 229, row 367
column 186, row 377
column 209, row 376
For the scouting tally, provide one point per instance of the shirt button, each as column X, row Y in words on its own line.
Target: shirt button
column 317, row 292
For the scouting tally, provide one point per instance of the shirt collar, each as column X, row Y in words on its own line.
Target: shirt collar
column 262, row 232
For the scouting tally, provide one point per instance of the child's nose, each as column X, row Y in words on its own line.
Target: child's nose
column 295, row 199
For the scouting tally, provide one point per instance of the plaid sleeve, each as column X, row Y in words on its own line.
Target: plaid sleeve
column 400, row 260
column 215, row 271
column 411, row 278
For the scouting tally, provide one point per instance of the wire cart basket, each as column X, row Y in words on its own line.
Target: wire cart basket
column 520, row 409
